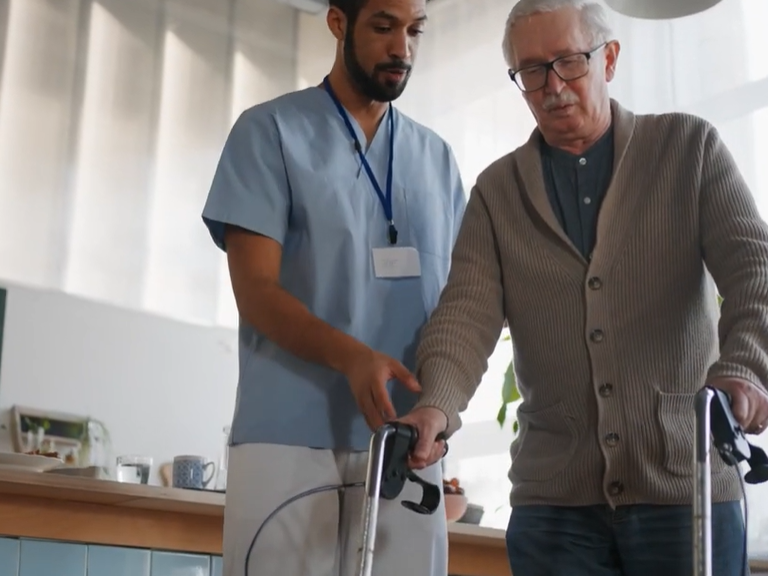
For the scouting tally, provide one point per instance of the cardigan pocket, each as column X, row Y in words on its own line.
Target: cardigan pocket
column 545, row 444
column 677, row 419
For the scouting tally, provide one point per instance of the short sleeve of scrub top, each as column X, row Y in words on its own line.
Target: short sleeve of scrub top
column 250, row 187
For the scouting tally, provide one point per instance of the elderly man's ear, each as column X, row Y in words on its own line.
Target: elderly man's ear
column 611, row 58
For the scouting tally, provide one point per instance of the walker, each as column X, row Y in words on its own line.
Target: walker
column 715, row 420
column 387, row 472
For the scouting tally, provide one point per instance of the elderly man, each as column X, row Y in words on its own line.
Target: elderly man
column 595, row 240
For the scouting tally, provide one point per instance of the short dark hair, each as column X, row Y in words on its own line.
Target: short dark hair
column 350, row 8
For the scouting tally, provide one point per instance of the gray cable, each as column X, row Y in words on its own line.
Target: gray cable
column 299, row 496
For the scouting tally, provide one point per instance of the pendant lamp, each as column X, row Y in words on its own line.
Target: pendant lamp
column 660, row 9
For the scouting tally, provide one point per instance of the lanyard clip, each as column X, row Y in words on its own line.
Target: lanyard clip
column 392, row 233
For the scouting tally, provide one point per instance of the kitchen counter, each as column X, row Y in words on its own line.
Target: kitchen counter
column 72, row 509
column 63, row 508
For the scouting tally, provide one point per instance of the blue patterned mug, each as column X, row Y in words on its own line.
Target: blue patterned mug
column 190, row 472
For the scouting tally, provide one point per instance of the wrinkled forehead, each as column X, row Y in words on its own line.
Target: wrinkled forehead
column 547, row 35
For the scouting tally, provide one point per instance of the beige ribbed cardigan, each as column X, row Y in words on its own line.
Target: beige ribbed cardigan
column 608, row 352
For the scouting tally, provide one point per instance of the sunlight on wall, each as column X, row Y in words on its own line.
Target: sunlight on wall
column 112, row 185
column 188, row 146
column 38, row 78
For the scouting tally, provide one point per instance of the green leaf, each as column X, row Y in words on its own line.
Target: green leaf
column 509, row 392
column 515, row 427
column 501, row 417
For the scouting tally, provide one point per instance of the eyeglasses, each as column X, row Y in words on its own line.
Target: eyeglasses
column 567, row 68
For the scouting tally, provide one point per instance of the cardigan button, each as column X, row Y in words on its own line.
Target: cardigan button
column 615, row 488
column 597, row 336
column 595, row 283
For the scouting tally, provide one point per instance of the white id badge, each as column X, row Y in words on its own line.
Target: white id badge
column 396, row 262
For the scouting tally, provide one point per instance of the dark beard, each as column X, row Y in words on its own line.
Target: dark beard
column 367, row 84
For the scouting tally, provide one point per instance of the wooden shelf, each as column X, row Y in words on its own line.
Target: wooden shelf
column 73, row 509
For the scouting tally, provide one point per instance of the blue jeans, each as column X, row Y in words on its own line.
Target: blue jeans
column 629, row 541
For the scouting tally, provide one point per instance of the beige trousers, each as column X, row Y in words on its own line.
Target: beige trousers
column 319, row 535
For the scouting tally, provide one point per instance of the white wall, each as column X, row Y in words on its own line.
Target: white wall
column 162, row 387
column 113, row 114
column 315, row 50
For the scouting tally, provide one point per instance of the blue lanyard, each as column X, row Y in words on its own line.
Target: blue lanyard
column 386, row 199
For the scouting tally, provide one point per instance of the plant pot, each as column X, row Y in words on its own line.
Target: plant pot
column 455, row 506
column 473, row 515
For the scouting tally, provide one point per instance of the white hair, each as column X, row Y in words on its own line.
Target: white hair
column 594, row 18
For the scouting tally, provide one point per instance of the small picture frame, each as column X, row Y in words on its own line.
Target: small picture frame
column 61, row 433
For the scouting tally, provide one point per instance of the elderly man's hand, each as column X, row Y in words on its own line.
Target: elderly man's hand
column 430, row 423
column 749, row 403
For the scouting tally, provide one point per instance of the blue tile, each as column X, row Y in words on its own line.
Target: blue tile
column 9, row 557
column 112, row 561
column 39, row 558
column 172, row 564
column 216, row 569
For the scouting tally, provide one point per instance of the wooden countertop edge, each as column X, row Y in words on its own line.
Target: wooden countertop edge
column 156, row 499
column 471, row 534
column 89, row 490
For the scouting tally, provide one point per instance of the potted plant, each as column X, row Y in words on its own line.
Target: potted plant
column 94, row 435
column 36, row 431
column 509, row 393
column 94, row 439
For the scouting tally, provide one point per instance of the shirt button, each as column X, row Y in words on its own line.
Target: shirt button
column 595, row 283
column 615, row 488
column 611, row 439
column 582, row 161
column 587, row 200
column 596, row 336
column 606, row 390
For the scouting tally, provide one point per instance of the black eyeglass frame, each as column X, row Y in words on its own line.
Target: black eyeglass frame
column 550, row 67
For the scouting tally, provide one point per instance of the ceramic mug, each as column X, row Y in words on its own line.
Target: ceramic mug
column 190, row 472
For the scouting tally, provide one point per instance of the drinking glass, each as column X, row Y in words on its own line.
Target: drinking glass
column 221, row 476
column 133, row 469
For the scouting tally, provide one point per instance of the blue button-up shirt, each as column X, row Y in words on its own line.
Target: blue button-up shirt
column 576, row 186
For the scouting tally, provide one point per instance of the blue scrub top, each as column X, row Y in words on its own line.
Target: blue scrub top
column 289, row 171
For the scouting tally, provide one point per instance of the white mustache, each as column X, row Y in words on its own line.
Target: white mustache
column 554, row 100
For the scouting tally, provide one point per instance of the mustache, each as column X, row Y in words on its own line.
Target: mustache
column 393, row 67
column 555, row 100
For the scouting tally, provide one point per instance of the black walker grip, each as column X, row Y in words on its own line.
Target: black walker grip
column 731, row 442
column 399, row 444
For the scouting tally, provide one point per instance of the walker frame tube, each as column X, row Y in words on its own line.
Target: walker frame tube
column 372, row 495
column 702, row 486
